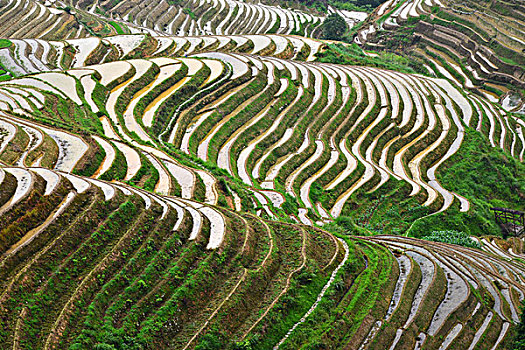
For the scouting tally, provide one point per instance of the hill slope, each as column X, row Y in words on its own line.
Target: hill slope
column 159, row 190
column 476, row 44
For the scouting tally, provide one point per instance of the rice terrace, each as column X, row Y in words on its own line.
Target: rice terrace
column 262, row 174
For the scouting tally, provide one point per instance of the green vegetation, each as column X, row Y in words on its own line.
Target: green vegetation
column 361, row 289
column 354, row 55
column 117, row 27
column 275, row 27
column 489, row 177
column 334, row 27
column 189, row 12
column 349, row 5
column 344, row 225
column 147, row 176
column 519, row 330
column 221, row 268
column 453, row 237
column 356, row 5
column 400, row 39
column 92, row 161
column 118, row 168
column 388, row 210
column 5, row 43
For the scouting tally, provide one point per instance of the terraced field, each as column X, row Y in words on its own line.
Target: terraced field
column 344, row 128
column 132, row 258
column 53, row 20
column 188, row 175
column 25, row 56
column 137, row 257
column 209, row 17
column 475, row 44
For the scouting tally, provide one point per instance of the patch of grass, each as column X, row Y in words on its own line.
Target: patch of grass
column 117, row 27
column 4, row 43
column 354, row 55
column 487, row 177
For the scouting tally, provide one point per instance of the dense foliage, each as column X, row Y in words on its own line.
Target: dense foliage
column 453, row 237
column 334, row 27
column 489, row 177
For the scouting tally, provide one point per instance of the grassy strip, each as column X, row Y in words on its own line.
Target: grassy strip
column 130, row 92
column 152, row 94
column 462, row 315
column 182, row 299
column 9, row 185
column 147, row 176
column 262, row 125
column 482, row 38
column 118, row 169
column 4, row 43
column 91, row 161
column 136, row 242
column 387, row 332
column 304, row 288
column 292, row 117
column 50, row 292
column 459, row 61
column 224, row 109
column 368, row 292
column 48, row 301
column 250, row 287
column 13, row 264
column 241, row 118
column 152, row 249
column 47, row 152
column 168, row 108
column 117, row 26
column 15, row 147
column 28, row 214
column 447, row 67
column 304, row 121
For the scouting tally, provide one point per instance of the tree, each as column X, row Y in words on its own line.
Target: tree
column 334, row 27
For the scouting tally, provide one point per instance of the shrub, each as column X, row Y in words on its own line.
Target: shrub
column 334, row 27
